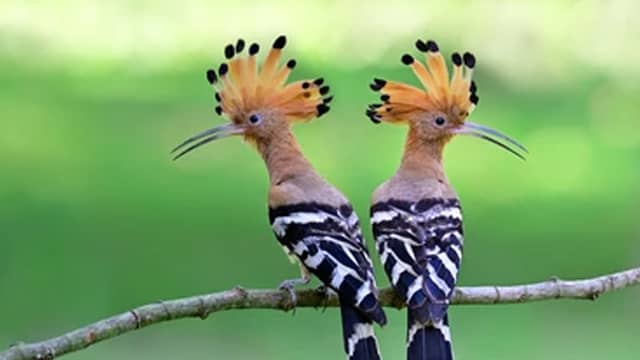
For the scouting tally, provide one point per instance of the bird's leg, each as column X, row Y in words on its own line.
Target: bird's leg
column 290, row 284
column 326, row 295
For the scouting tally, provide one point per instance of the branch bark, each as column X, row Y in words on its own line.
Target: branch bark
column 203, row 305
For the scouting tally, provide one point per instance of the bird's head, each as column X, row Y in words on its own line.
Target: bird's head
column 259, row 103
column 439, row 111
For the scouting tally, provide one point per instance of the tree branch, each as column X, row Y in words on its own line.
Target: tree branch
column 203, row 305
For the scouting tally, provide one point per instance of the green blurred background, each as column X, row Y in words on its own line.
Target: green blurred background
column 96, row 219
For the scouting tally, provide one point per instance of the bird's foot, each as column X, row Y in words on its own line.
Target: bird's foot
column 326, row 293
column 290, row 285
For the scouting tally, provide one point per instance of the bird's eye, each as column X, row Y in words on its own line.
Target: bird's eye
column 254, row 119
column 440, row 121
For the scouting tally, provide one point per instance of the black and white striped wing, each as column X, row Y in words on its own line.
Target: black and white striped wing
column 329, row 242
column 420, row 245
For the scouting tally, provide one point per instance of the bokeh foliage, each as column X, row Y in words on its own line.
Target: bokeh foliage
column 96, row 219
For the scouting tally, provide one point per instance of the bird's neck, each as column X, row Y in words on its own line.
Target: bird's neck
column 283, row 157
column 422, row 158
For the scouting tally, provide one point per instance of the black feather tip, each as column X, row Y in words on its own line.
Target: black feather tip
column 456, row 59
column 322, row 109
column 318, row 81
column 378, row 84
column 324, row 90
column 407, row 59
column 291, row 64
column 239, row 46
column 474, row 99
column 219, row 110
column 469, row 60
column 280, row 42
column 421, row 45
column 253, row 49
column 223, row 69
column 373, row 116
column 432, row 46
column 211, row 76
column 229, row 51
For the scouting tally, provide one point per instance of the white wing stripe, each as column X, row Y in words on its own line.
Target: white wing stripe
column 456, row 248
column 353, row 219
column 412, row 332
column 396, row 271
column 314, row 261
column 448, row 264
column 399, row 267
column 444, row 330
column 433, row 276
column 380, row 216
column 363, row 291
column 452, row 212
column 404, row 239
column 299, row 248
column 409, row 249
column 280, row 223
column 417, row 285
column 360, row 332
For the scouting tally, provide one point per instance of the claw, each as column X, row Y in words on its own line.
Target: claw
column 289, row 286
column 326, row 294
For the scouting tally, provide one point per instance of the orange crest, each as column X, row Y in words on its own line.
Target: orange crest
column 242, row 88
column 455, row 95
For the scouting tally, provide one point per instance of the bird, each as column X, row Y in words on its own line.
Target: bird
column 313, row 221
column 416, row 217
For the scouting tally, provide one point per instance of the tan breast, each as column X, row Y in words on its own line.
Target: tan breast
column 308, row 187
column 413, row 189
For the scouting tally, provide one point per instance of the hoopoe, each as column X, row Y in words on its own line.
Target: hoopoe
column 312, row 220
column 416, row 215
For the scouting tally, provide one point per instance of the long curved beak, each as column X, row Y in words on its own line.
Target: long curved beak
column 493, row 136
column 207, row 136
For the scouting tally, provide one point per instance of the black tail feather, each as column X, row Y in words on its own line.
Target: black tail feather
column 359, row 339
column 428, row 342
